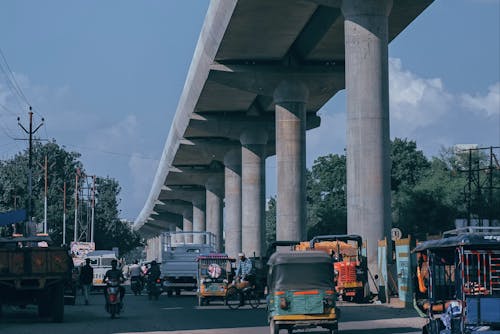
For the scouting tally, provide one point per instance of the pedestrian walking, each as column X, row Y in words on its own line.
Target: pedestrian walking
column 86, row 277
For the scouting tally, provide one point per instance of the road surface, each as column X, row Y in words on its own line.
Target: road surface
column 181, row 315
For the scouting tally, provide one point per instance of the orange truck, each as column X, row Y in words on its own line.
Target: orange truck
column 350, row 265
column 34, row 272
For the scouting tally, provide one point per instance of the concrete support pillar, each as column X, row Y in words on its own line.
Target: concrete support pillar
column 291, row 98
column 214, row 195
column 199, row 222
column 368, row 143
column 253, row 189
column 232, row 212
column 179, row 238
column 187, row 225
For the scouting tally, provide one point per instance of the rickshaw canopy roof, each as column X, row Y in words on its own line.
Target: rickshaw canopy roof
column 298, row 257
column 465, row 240
column 296, row 270
column 215, row 256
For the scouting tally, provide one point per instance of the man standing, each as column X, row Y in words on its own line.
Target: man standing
column 86, row 277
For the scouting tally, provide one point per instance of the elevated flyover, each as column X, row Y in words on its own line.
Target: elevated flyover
column 260, row 72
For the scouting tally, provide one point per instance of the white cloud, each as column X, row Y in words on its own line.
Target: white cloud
column 415, row 102
column 489, row 103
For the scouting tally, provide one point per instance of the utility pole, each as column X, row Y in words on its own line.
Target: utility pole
column 93, row 210
column 75, row 234
column 45, row 170
column 31, row 132
column 64, row 214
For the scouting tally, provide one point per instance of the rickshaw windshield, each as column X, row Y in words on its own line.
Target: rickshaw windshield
column 308, row 270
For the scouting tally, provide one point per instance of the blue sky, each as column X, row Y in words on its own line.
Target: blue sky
column 107, row 76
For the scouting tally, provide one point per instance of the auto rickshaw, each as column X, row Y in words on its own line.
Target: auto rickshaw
column 458, row 282
column 301, row 292
column 214, row 275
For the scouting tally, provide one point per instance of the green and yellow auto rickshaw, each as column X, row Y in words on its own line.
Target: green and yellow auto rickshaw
column 214, row 275
column 301, row 292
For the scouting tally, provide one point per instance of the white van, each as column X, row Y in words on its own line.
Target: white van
column 100, row 260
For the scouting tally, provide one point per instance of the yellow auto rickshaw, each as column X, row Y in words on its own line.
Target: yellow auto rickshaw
column 301, row 292
column 214, row 275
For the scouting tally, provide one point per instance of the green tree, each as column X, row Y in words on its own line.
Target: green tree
column 109, row 230
column 408, row 164
column 326, row 196
column 271, row 221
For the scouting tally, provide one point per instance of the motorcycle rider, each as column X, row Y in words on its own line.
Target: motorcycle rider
column 114, row 274
column 135, row 272
column 153, row 274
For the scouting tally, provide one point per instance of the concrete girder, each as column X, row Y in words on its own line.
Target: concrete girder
column 195, row 195
column 193, row 174
column 163, row 214
column 205, row 125
column 200, row 151
column 320, row 79
column 177, row 192
column 149, row 231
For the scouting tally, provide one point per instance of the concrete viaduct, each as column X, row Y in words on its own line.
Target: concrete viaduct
column 260, row 72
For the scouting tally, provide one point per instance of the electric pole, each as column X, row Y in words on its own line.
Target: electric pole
column 45, row 168
column 75, row 232
column 31, row 132
column 64, row 214
column 93, row 210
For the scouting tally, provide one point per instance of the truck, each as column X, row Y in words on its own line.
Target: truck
column 177, row 255
column 351, row 267
column 33, row 271
column 100, row 260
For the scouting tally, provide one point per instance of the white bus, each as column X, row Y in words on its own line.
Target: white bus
column 100, row 260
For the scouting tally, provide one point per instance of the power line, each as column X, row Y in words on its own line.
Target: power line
column 14, row 85
column 8, row 110
column 13, row 80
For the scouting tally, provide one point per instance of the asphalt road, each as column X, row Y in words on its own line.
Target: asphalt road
column 181, row 315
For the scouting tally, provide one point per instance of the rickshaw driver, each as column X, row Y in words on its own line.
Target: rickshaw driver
column 245, row 271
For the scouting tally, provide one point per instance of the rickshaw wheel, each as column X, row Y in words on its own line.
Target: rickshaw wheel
column 273, row 328
column 253, row 299
column 233, row 298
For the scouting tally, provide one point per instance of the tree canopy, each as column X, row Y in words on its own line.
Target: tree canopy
column 110, row 231
column 427, row 195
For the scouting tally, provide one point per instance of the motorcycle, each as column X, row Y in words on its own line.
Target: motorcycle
column 113, row 298
column 155, row 288
column 136, row 284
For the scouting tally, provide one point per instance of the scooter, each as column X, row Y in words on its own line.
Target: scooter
column 136, row 284
column 155, row 288
column 113, row 298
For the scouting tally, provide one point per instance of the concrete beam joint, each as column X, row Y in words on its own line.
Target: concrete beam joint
column 353, row 8
column 254, row 137
column 291, row 91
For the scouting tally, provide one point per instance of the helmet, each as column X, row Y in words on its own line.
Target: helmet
column 241, row 254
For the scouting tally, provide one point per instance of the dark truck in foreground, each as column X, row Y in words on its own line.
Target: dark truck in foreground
column 34, row 272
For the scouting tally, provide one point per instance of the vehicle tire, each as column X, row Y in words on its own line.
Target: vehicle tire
column 43, row 303
column 113, row 310
column 253, row 299
column 233, row 298
column 273, row 328
column 57, row 303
